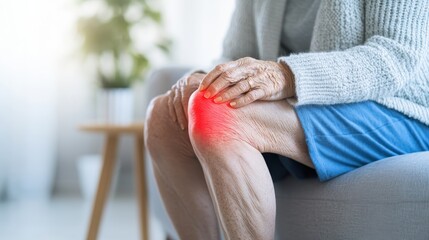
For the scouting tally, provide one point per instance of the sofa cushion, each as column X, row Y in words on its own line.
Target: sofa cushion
column 387, row 199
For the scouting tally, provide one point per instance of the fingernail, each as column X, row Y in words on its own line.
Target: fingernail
column 201, row 88
column 232, row 104
column 218, row 99
column 207, row 95
column 182, row 127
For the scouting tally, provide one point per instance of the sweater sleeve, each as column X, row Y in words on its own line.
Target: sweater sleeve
column 397, row 38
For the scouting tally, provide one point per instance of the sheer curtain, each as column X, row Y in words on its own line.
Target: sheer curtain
column 33, row 42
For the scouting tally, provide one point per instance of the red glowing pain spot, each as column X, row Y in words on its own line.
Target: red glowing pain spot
column 208, row 119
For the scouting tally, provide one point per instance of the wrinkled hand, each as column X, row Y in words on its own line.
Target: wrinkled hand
column 246, row 80
column 178, row 97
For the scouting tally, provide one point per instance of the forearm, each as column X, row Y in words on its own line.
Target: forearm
column 366, row 72
column 394, row 45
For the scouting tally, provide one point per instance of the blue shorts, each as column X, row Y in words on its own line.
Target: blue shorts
column 344, row 137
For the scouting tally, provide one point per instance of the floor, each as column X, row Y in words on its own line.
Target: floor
column 67, row 218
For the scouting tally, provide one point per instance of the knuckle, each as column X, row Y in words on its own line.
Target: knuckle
column 251, row 97
column 254, row 95
column 214, row 88
column 226, row 96
column 247, row 59
column 229, row 95
column 187, row 80
column 228, row 75
column 220, row 67
column 192, row 79
column 263, row 93
column 204, row 82
column 183, row 92
column 217, row 87
column 242, row 86
column 176, row 98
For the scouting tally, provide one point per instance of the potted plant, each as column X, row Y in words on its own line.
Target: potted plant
column 110, row 44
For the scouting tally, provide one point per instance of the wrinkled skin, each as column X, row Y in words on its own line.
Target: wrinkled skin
column 214, row 172
column 178, row 97
column 246, row 80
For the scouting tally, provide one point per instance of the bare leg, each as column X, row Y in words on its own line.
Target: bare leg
column 228, row 143
column 179, row 175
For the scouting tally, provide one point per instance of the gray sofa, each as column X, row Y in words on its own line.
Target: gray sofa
column 388, row 199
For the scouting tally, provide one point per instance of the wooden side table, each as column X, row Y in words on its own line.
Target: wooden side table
column 112, row 132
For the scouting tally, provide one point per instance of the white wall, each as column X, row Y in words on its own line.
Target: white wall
column 198, row 28
column 28, row 60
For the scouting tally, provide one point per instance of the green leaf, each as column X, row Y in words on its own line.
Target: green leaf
column 113, row 82
column 119, row 4
column 165, row 45
column 103, row 36
column 140, row 65
column 152, row 14
column 110, row 33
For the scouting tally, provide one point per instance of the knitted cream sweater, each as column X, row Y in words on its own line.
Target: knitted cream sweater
column 361, row 50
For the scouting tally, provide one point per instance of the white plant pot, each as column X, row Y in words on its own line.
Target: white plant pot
column 115, row 105
column 89, row 168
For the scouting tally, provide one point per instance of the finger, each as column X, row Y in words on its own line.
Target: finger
column 233, row 92
column 178, row 108
column 247, row 98
column 215, row 73
column 171, row 106
column 184, row 101
column 228, row 78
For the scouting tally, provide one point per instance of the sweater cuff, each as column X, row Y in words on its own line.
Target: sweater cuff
column 309, row 75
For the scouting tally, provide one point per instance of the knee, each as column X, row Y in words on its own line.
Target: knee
column 208, row 122
column 213, row 125
column 156, row 118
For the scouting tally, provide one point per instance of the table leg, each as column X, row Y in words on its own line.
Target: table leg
column 141, row 191
column 109, row 159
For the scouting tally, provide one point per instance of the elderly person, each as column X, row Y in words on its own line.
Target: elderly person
column 308, row 88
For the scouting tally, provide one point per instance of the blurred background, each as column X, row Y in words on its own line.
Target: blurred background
column 64, row 63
